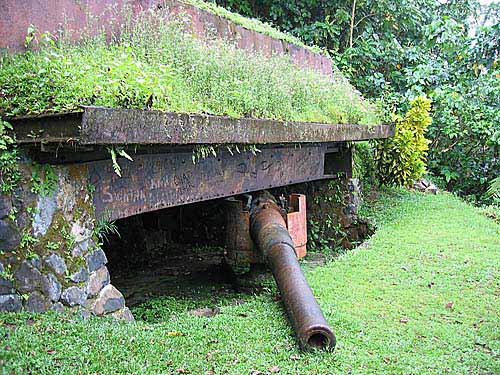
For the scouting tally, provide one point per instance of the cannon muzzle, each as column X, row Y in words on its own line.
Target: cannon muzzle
column 269, row 232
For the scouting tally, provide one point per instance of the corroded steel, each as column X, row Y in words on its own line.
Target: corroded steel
column 106, row 126
column 152, row 182
column 239, row 245
column 296, row 223
column 48, row 128
column 135, row 126
column 269, row 232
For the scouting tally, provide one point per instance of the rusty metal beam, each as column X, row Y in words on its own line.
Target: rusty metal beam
column 153, row 182
column 49, row 128
column 108, row 126
column 121, row 126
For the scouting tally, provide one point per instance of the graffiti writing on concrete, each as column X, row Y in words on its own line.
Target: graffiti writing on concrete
column 157, row 181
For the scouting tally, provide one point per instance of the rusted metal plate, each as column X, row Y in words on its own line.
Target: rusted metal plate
column 107, row 126
column 239, row 245
column 157, row 181
column 134, row 126
column 48, row 128
column 296, row 223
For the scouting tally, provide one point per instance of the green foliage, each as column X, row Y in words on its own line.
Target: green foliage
column 27, row 240
column 326, row 237
column 201, row 152
column 51, row 245
column 43, row 179
column 448, row 50
column 401, row 160
column 7, row 272
column 9, row 169
column 104, row 227
column 364, row 165
column 326, row 234
column 250, row 23
column 157, row 65
column 494, row 189
column 386, row 303
column 464, row 88
column 115, row 152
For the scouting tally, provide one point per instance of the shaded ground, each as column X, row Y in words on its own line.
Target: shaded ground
column 177, row 275
column 423, row 297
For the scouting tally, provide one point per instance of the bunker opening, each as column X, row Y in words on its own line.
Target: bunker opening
column 168, row 252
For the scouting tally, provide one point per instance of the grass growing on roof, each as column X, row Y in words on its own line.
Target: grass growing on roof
column 156, row 65
column 421, row 298
column 250, row 23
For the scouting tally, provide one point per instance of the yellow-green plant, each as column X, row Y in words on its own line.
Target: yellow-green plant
column 402, row 160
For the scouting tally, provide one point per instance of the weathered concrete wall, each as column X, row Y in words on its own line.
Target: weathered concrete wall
column 73, row 16
column 50, row 255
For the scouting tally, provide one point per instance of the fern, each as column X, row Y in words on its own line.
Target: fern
column 494, row 189
column 121, row 152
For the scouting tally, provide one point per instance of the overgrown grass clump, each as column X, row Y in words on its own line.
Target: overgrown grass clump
column 157, row 64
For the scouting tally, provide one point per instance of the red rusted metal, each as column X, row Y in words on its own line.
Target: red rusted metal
column 271, row 237
column 240, row 248
column 239, row 245
column 296, row 223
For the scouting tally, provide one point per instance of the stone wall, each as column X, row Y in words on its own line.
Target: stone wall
column 50, row 255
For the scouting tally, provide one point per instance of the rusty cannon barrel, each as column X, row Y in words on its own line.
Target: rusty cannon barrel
column 269, row 232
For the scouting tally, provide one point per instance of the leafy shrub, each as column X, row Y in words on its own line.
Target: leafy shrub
column 396, row 50
column 364, row 166
column 465, row 135
column 494, row 189
column 9, row 171
column 158, row 65
column 401, row 160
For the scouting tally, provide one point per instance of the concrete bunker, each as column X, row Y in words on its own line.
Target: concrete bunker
column 53, row 254
column 56, row 257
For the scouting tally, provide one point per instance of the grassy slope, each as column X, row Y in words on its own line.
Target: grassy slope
column 386, row 303
column 156, row 64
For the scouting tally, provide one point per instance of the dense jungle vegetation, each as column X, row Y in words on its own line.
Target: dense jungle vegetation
column 397, row 50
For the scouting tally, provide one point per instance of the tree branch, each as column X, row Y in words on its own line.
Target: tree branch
column 353, row 15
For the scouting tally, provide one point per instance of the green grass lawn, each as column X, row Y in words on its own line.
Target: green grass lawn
column 423, row 297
